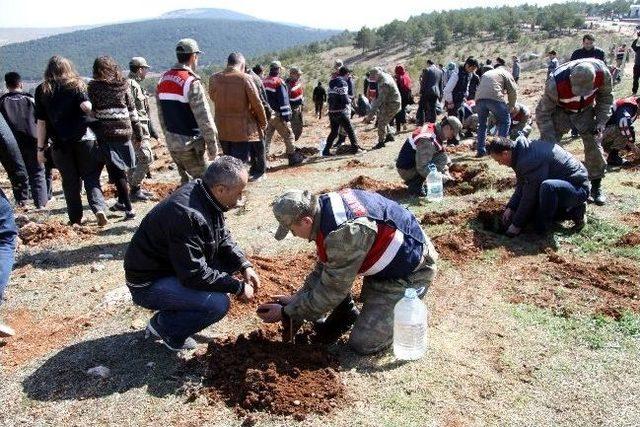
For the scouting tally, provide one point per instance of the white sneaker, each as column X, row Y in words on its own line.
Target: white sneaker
column 6, row 331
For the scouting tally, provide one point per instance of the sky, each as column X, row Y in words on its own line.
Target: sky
column 333, row 14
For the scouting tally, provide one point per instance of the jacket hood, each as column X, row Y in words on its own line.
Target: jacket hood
column 400, row 70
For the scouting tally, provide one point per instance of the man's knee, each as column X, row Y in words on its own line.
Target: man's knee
column 217, row 306
column 364, row 342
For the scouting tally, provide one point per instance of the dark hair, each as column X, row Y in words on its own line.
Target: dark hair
column 234, row 58
column 471, row 62
column 343, row 71
column 12, row 79
column 588, row 37
column 106, row 68
column 134, row 68
column 552, row 52
column 498, row 144
column 500, row 61
column 61, row 71
column 258, row 69
column 225, row 170
column 183, row 58
column 488, row 62
column 430, row 62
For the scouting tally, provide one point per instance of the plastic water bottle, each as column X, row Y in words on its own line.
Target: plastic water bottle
column 434, row 184
column 409, row 327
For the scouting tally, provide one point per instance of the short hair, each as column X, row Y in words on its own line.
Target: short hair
column 225, row 170
column 430, row 62
column 183, row 58
column 487, row 62
column 235, row 58
column 258, row 69
column 471, row 62
column 499, row 144
column 134, row 68
column 343, row 71
column 12, row 79
column 552, row 52
column 588, row 37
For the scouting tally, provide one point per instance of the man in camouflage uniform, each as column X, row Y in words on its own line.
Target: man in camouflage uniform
column 426, row 145
column 578, row 93
column 468, row 116
column 138, row 68
column 386, row 105
column 185, row 114
column 520, row 121
column 356, row 233
column 296, row 100
column 619, row 134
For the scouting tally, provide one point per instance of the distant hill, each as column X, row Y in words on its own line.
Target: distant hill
column 207, row 13
column 155, row 40
column 17, row 35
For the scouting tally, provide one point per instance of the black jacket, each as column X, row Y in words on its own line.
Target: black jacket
column 582, row 53
column 339, row 99
column 432, row 84
column 534, row 162
column 185, row 236
column 319, row 95
column 18, row 109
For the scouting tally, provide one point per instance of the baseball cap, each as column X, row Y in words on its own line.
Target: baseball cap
column 456, row 125
column 138, row 61
column 188, row 46
column 275, row 64
column 288, row 208
column 582, row 77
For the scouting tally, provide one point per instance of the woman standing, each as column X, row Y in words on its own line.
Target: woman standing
column 404, row 85
column 114, row 109
column 61, row 111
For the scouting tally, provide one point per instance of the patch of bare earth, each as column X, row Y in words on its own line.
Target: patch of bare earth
column 386, row 189
column 468, row 179
column 38, row 233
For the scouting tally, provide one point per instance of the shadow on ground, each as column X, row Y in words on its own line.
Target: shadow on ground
column 64, row 258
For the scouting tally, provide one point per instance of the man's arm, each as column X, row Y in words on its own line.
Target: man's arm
column 604, row 101
column 512, row 90
column 448, row 89
column 202, row 113
column 545, row 110
column 514, row 201
column 231, row 254
column 529, row 195
column 256, row 104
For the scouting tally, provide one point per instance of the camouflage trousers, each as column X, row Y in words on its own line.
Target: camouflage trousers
column 471, row 123
column 515, row 129
column 144, row 157
column 385, row 115
column 297, row 121
column 373, row 330
column 441, row 160
column 284, row 129
column 613, row 139
column 585, row 123
column 191, row 163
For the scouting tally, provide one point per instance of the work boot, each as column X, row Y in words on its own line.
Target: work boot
column 337, row 323
column 378, row 146
column 389, row 138
column 138, row 195
column 596, row 192
column 614, row 158
column 296, row 158
column 416, row 187
column 579, row 216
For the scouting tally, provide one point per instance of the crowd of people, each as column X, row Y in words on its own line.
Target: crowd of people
column 186, row 272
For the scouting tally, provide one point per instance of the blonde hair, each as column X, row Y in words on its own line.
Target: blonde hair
column 61, row 72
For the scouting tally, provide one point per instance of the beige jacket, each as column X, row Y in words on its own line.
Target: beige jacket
column 494, row 83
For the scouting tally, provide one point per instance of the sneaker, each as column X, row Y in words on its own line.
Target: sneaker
column 152, row 329
column 389, row 138
column 129, row 215
column 378, row 146
column 118, row 207
column 6, row 331
column 102, row 219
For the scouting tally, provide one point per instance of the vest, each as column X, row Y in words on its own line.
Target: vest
column 398, row 247
column 620, row 107
column 462, row 86
column 407, row 156
column 566, row 98
column 296, row 92
column 173, row 93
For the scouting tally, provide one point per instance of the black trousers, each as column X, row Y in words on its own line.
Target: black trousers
column 239, row 150
column 11, row 160
column 636, row 76
column 319, row 109
column 35, row 172
column 427, row 106
column 258, row 158
column 338, row 120
column 80, row 162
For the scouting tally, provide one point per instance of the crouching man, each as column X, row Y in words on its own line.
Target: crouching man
column 426, row 145
column 551, row 184
column 182, row 259
column 356, row 233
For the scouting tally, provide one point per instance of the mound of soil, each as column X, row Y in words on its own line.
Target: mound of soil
column 35, row 233
column 451, row 216
column 161, row 189
column 630, row 239
column 468, row 179
column 386, row 189
column 458, row 247
column 258, row 372
column 488, row 212
column 597, row 286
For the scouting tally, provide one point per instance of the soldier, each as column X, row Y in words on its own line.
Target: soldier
column 356, row 233
column 426, row 145
column 619, row 133
column 520, row 121
column 185, row 114
column 385, row 106
column 278, row 97
column 468, row 116
column 578, row 93
column 296, row 100
column 138, row 68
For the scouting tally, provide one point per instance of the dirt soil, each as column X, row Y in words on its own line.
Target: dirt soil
column 257, row 372
column 487, row 211
column 631, row 184
column 387, row 189
column 468, row 179
column 598, row 286
column 630, row 239
column 34, row 233
column 161, row 189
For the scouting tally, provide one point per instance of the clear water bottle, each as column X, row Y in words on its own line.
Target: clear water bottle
column 434, row 184
column 409, row 327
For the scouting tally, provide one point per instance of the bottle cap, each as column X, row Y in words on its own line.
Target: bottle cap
column 410, row 293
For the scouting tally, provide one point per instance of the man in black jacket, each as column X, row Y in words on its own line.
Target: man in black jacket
column 319, row 98
column 431, row 89
column 551, row 184
column 636, row 64
column 588, row 50
column 182, row 259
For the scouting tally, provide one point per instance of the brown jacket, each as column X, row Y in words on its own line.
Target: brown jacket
column 239, row 114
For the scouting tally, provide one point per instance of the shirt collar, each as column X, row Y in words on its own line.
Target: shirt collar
column 213, row 203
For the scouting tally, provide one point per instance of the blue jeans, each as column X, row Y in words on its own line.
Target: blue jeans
column 500, row 111
column 181, row 311
column 555, row 199
column 8, row 233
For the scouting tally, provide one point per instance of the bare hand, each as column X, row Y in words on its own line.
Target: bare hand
column 506, row 216
column 251, row 277
column 270, row 313
column 247, row 293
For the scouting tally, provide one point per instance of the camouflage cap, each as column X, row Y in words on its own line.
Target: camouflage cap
column 582, row 77
column 295, row 70
column 456, row 125
column 374, row 73
column 138, row 61
column 275, row 64
column 338, row 64
column 288, row 208
column 188, row 46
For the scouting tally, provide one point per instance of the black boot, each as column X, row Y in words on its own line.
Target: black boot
column 596, row 192
column 341, row 140
column 296, row 158
column 416, row 187
column 378, row 146
column 579, row 216
column 389, row 138
column 614, row 158
column 337, row 323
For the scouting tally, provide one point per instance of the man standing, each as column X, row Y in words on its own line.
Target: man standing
column 185, row 114
column 356, row 233
column 339, row 111
column 319, row 98
column 579, row 94
column 8, row 235
column 258, row 156
column 182, row 259
column 431, row 88
column 551, row 184
column 296, row 100
column 619, row 133
column 240, row 116
column 588, row 50
column 636, row 64
column 21, row 161
column 515, row 68
column 138, row 69
column 553, row 62
column 494, row 84
column 385, row 106
column 457, row 87
column 278, row 97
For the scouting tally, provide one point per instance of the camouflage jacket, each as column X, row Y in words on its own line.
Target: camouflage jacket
column 388, row 95
column 141, row 104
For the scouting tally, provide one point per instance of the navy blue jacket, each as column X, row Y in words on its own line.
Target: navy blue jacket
column 339, row 98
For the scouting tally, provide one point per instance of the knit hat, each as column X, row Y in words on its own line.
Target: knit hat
column 582, row 77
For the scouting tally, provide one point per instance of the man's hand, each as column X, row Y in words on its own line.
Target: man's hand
column 270, row 313
column 506, row 216
column 41, row 157
column 251, row 277
column 247, row 293
column 513, row 231
column 282, row 299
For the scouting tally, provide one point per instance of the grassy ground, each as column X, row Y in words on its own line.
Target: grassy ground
column 494, row 357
